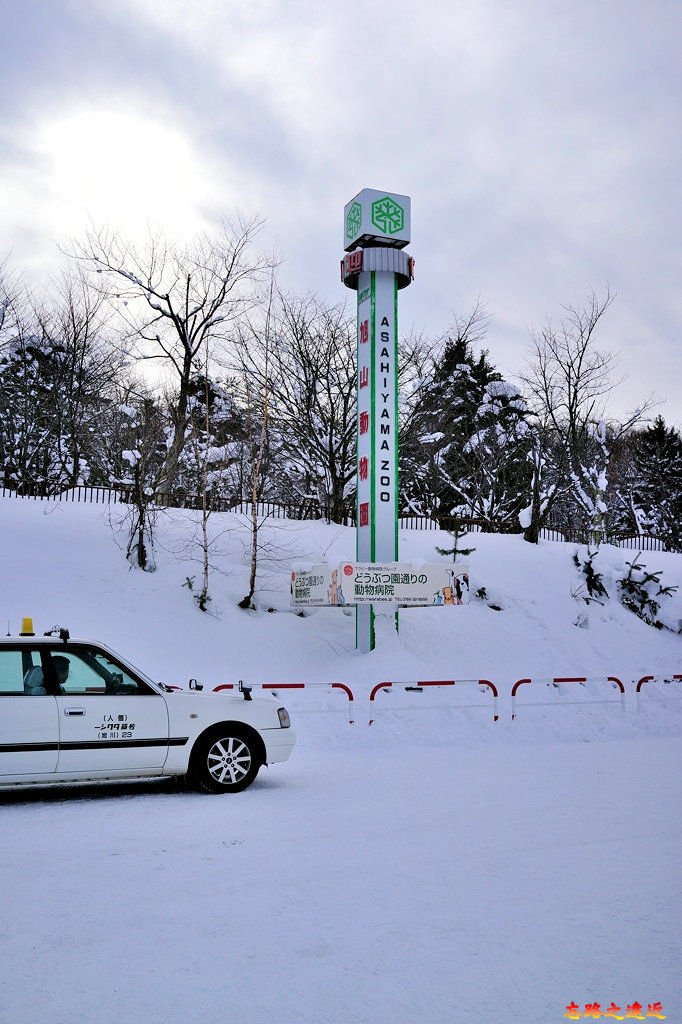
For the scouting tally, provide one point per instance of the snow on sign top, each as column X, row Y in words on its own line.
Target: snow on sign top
column 377, row 218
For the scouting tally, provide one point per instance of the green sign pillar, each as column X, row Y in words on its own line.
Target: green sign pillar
column 376, row 230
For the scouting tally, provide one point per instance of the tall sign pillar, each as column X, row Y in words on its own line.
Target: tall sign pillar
column 376, row 231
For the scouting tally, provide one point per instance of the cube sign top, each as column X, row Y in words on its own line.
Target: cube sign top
column 376, row 218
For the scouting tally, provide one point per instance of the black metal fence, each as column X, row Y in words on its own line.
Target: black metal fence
column 93, row 495
column 309, row 509
column 591, row 538
column 305, row 509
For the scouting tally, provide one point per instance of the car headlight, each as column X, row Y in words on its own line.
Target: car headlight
column 284, row 719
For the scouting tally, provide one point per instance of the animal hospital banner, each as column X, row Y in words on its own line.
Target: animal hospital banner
column 397, row 583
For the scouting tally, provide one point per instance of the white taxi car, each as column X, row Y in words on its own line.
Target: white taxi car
column 74, row 711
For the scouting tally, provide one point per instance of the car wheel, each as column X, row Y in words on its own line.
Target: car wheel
column 225, row 761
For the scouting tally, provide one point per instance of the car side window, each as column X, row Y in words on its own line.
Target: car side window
column 21, row 674
column 90, row 672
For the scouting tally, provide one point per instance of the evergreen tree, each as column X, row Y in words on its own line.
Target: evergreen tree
column 441, row 421
column 57, row 373
column 27, row 416
column 214, row 453
column 657, row 491
column 495, row 472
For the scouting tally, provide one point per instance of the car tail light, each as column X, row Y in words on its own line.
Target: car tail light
column 284, row 719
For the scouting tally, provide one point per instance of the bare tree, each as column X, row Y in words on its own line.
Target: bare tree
column 568, row 380
column 85, row 364
column 312, row 382
column 174, row 299
column 257, row 393
column 138, row 452
column 7, row 294
column 199, row 443
column 210, row 456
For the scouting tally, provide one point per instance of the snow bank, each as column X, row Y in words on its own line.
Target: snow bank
column 65, row 564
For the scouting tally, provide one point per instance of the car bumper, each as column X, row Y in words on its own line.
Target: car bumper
column 278, row 744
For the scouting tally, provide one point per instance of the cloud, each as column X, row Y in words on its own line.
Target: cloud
column 539, row 143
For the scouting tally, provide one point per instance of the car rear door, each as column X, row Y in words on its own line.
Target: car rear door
column 29, row 730
column 110, row 721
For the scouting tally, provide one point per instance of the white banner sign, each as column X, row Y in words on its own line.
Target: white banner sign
column 404, row 584
column 365, row 583
column 313, row 586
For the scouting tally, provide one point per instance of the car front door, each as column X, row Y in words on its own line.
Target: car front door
column 29, row 730
column 109, row 720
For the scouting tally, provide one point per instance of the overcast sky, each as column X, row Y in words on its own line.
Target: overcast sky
column 540, row 142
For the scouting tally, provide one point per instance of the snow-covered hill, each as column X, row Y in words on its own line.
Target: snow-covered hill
column 63, row 563
column 435, row 866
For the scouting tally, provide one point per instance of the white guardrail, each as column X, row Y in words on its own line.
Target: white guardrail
column 635, row 688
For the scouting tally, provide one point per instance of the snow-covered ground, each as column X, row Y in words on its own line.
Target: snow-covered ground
column 435, row 866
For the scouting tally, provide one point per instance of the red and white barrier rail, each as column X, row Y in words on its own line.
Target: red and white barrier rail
column 559, row 681
column 419, row 685
column 653, row 679
column 275, row 687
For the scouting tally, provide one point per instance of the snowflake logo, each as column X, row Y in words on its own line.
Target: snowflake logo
column 353, row 220
column 388, row 216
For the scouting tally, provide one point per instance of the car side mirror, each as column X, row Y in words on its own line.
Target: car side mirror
column 194, row 685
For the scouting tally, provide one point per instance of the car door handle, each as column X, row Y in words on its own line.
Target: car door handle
column 74, row 711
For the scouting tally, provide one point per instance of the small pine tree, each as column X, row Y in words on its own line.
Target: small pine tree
column 458, row 534
column 593, row 579
column 641, row 591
